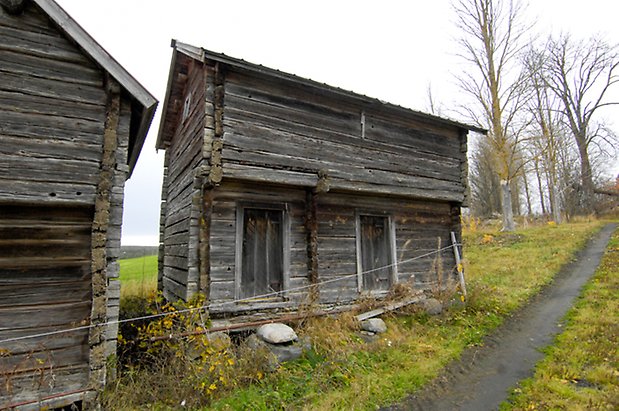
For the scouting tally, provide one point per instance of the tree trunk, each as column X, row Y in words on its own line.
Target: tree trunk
column 526, row 191
column 508, row 214
column 586, row 174
column 541, row 190
column 515, row 192
column 554, row 197
column 556, row 208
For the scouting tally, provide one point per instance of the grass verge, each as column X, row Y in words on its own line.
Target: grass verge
column 343, row 372
column 581, row 369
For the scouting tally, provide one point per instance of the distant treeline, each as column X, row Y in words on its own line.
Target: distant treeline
column 133, row 251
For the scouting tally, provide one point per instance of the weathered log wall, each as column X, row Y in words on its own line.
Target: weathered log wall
column 276, row 130
column 45, row 284
column 106, row 235
column 61, row 196
column 181, row 196
column 418, row 226
column 52, row 105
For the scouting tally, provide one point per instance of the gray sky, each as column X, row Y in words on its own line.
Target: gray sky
column 391, row 50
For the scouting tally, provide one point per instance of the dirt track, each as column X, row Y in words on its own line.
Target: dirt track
column 482, row 378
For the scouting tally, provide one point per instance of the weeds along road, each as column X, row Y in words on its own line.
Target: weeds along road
column 482, row 378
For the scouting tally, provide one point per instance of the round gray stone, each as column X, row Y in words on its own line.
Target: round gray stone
column 253, row 342
column 432, row 306
column 278, row 353
column 219, row 340
column 286, row 352
column 374, row 325
column 276, row 333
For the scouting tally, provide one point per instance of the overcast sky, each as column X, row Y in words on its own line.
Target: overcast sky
column 391, row 50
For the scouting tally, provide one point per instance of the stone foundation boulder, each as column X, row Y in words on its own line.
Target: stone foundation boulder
column 276, row 333
column 432, row 306
column 374, row 325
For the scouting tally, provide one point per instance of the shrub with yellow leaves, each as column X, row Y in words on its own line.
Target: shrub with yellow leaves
column 170, row 356
column 208, row 362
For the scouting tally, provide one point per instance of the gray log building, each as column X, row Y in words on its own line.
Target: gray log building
column 273, row 182
column 72, row 123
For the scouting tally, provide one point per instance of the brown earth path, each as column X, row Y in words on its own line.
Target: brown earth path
column 484, row 376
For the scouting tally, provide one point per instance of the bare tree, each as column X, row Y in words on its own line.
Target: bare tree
column 491, row 41
column 581, row 74
column 543, row 107
column 484, row 182
column 568, row 176
column 433, row 106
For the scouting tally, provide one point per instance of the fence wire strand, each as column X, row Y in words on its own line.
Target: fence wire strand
column 222, row 304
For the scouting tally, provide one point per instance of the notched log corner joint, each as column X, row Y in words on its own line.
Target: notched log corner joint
column 216, row 172
column 323, row 185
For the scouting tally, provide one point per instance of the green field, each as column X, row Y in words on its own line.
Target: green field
column 138, row 276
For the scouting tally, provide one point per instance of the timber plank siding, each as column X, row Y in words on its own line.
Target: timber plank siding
column 72, row 123
column 184, row 155
column 344, row 169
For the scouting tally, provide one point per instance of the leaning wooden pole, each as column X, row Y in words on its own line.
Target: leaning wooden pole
column 454, row 244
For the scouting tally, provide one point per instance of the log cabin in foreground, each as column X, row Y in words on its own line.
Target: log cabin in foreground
column 72, row 123
column 273, row 182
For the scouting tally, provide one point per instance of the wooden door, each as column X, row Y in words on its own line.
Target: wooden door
column 263, row 260
column 375, row 252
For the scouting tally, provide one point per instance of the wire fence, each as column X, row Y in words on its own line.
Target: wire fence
column 225, row 303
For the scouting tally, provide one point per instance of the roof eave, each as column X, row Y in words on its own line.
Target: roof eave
column 204, row 55
column 140, row 137
column 160, row 144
